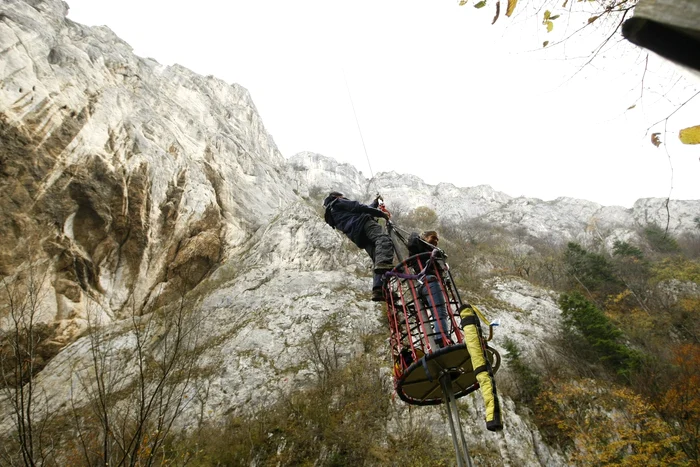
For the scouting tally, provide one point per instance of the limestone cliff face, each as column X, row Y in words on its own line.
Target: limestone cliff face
column 122, row 171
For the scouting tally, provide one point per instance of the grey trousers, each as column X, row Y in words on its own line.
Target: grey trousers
column 380, row 247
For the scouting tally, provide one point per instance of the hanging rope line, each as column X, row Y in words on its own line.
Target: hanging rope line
column 359, row 130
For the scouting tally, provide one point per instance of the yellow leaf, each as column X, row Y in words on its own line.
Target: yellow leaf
column 690, row 135
column 511, row 7
column 545, row 43
column 547, row 14
column 592, row 18
column 550, row 26
column 655, row 139
column 462, row 2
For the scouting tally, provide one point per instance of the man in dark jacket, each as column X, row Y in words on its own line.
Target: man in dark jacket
column 357, row 221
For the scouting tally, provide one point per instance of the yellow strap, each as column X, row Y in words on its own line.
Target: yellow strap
column 481, row 315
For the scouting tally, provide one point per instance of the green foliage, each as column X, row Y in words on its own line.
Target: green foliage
column 660, row 240
column 671, row 282
column 633, row 269
column 590, row 270
column 529, row 382
column 624, row 249
column 678, row 268
column 599, row 332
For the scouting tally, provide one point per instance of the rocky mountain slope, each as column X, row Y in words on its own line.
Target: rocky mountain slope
column 562, row 219
column 128, row 184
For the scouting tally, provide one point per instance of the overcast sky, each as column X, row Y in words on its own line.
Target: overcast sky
column 438, row 91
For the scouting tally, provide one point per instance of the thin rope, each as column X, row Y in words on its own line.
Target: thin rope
column 359, row 130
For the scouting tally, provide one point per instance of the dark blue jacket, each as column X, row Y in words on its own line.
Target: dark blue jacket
column 350, row 217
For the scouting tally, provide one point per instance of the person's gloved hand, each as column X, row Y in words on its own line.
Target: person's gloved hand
column 387, row 214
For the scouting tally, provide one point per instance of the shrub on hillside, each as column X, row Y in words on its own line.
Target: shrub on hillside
column 341, row 422
column 599, row 333
column 602, row 424
column 660, row 240
column 590, row 270
column 527, row 380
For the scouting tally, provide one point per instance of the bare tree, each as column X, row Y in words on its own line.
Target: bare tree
column 20, row 360
column 323, row 358
column 139, row 384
